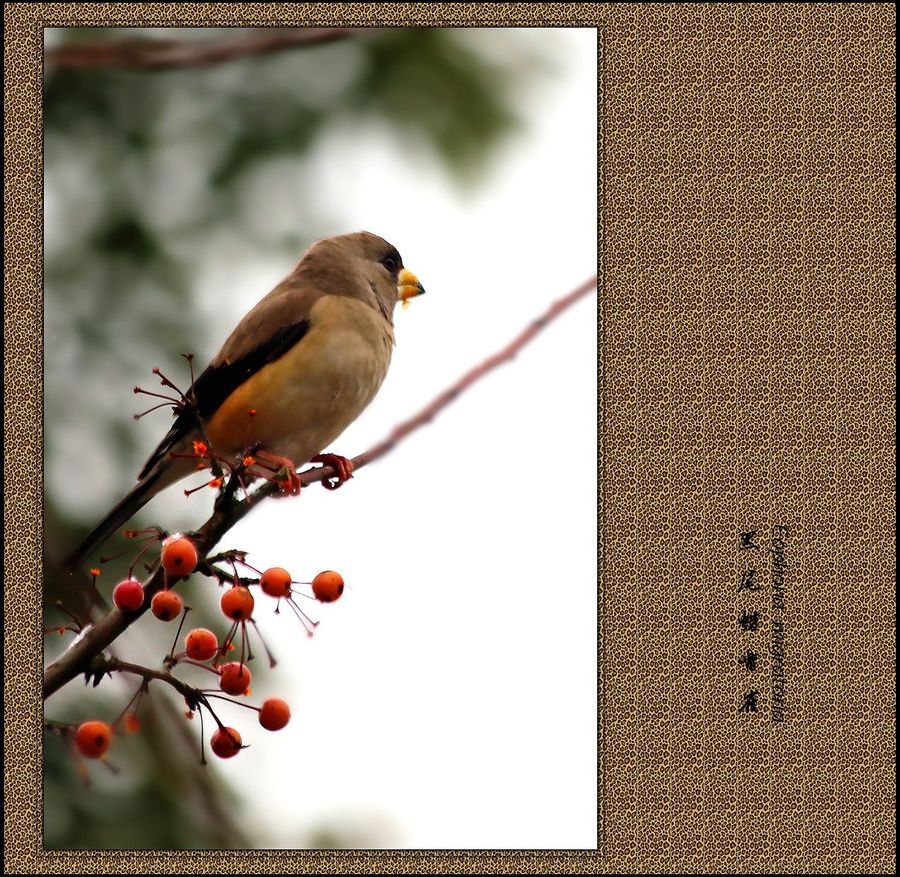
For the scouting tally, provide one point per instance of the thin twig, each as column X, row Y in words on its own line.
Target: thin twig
column 79, row 656
column 208, row 569
column 162, row 54
column 115, row 665
column 444, row 399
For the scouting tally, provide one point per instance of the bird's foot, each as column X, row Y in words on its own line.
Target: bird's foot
column 342, row 464
column 289, row 480
column 284, row 473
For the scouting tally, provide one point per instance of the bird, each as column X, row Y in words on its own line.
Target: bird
column 296, row 371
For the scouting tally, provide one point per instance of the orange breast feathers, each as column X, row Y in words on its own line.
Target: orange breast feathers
column 300, row 403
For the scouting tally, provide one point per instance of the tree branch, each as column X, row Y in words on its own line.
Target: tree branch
column 77, row 659
column 163, row 54
column 115, row 665
column 441, row 401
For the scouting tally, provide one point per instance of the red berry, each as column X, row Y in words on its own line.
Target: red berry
column 128, row 595
column 234, row 678
column 201, row 644
column 274, row 714
column 179, row 556
column 276, row 582
column 226, row 742
column 93, row 738
column 237, row 603
column 166, row 605
column 328, row 586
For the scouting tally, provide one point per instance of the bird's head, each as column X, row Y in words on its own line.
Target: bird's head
column 365, row 266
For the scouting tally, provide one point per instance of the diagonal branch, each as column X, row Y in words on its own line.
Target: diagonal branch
column 112, row 664
column 427, row 414
column 78, row 657
column 163, row 54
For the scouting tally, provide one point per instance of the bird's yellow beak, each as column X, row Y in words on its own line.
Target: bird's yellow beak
column 408, row 286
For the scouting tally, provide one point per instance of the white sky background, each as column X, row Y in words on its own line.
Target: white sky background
column 448, row 700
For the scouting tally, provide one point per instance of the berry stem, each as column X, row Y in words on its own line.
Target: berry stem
column 171, row 655
column 169, row 400
column 248, row 706
column 140, row 554
column 143, row 688
column 166, row 382
column 305, row 620
column 151, row 410
column 269, row 655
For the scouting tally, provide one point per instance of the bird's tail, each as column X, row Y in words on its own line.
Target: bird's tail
column 135, row 500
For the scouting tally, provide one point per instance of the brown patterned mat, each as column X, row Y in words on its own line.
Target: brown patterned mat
column 747, row 384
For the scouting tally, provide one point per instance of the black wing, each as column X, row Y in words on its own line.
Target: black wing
column 218, row 382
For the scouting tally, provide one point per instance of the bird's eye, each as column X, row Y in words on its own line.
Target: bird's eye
column 389, row 263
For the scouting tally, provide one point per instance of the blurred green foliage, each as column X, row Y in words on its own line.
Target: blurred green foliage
column 147, row 172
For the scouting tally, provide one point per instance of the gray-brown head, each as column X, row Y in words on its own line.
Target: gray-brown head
column 361, row 265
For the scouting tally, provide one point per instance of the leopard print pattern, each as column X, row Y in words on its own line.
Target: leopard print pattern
column 748, row 372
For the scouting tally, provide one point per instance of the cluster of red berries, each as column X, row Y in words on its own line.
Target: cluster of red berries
column 234, row 679
column 274, row 715
column 179, row 558
column 327, row 586
column 93, row 738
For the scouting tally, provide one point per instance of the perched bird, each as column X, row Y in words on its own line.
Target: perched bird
column 299, row 368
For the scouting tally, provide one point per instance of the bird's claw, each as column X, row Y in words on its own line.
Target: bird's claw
column 285, row 475
column 343, row 466
column 290, row 481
